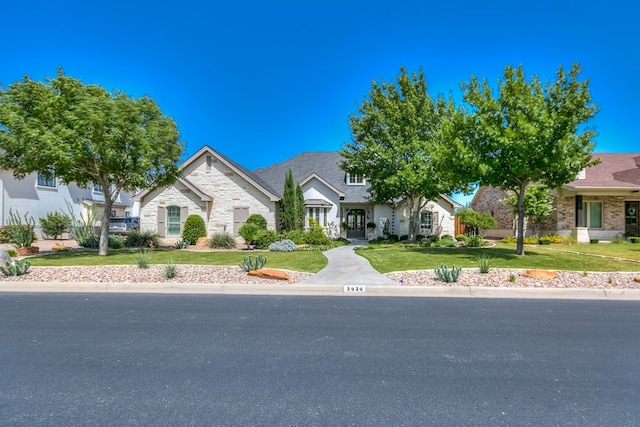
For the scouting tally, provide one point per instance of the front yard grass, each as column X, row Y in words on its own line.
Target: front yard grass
column 398, row 258
column 304, row 261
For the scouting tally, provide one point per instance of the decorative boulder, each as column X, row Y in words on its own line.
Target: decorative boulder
column 202, row 243
column 539, row 274
column 4, row 257
column 636, row 279
column 269, row 273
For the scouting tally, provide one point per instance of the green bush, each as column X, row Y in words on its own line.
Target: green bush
column 264, row 238
column 462, row 238
column 443, row 243
column 404, row 238
column 222, row 240
column 194, row 228
column 147, row 239
column 593, row 241
column 248, row 231
column 54, row 224
column 634, row 239
column 509, row 239
column 475, row 241
column 4, row 234
column 544, row 241
column 258, row 220
column 393, row 238
column 170, row 270
column 296, row 236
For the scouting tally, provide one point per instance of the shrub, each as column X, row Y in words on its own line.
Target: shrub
column 594, row 241
column 136, row 239
column 284, row 245
column 54, row 224
column 512, row 277
column 475, row 241
column 15, row 268
column 404, row 237
column 21, row 235
column 264, row 238
column 4, row 234
column 544, row 241
column 485, row 262
column 144, row 259
column 91, row 241
column 553, row 238
column 420, row 237
column 462, row 238
column 116, row 241
column 222, row 240
column 248, row 231
column 634, row 239
column 530, row 240
column 170, row 270
column 250, row 264
column 181, row 244
column 443, row 243
column 296, row 236
column 194, row 229
column 393, row 238
column 443, row 273
column 12, row 252
column 258, row 220
column 446, row 237
column 315, row 235
column 569, row 240
column 618, row 238
column 509, row 239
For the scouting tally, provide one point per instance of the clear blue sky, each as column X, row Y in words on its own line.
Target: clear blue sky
column 262, row 81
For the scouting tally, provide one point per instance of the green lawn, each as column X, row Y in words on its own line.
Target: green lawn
column 552, row 257
column 305, row 261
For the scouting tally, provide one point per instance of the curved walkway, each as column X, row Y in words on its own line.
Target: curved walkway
column 346, row 268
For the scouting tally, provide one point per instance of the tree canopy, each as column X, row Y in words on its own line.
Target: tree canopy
column 529, row 132
column 84, row 134
column 397, row 134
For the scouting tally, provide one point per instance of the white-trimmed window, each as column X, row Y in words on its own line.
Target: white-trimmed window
column 592, row 214
column 354, row 179
column 97, row 188
column 45, row 180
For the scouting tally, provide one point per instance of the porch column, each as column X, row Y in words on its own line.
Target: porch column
column 580, row 232
column 578, row 212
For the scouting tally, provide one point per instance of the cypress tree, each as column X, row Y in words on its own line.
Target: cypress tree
column 289, row 218
column 300, row 210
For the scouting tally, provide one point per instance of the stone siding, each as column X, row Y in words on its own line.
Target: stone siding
column 228, row 189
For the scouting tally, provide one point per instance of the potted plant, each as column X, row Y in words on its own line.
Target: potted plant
column 22, row 235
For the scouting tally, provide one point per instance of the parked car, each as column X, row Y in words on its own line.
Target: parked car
column 124, row 225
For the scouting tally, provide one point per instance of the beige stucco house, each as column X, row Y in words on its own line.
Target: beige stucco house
column 602, row 202
column 225, row 194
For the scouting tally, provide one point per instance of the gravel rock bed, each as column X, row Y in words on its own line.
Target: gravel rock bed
column 153, row 274
column 499, row 278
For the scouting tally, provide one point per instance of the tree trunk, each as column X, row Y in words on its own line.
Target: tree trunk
column 103, row 247
column 415, row 206
column 520, row 230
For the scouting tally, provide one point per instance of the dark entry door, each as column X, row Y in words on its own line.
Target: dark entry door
column 631, row 218
column 357, row 225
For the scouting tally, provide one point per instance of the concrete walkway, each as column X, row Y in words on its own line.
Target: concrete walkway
column 346, row 268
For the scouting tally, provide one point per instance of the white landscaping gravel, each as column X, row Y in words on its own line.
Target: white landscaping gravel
column 499, row 278
column 232, row 274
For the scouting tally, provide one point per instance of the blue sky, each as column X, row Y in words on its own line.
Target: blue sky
column 262, row 81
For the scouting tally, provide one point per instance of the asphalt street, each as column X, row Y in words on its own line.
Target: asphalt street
column 169, row 360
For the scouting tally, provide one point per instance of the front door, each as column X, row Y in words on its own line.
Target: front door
column 357, row 225
column 631, row 218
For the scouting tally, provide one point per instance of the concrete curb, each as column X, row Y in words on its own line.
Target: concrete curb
column 325, row 290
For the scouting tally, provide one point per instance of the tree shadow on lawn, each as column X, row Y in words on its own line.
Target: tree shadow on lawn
column 471, row 254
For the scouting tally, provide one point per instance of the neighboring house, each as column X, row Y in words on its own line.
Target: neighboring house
column 333, row 197
column 603, row 201
column 213, row 186
column 37, row 195
column 224, row 194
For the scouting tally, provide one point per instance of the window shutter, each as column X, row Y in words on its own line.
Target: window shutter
column 435, row 225
column 184, row 213
column 162, row 227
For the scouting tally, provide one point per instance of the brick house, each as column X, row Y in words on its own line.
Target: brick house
column 602, row 202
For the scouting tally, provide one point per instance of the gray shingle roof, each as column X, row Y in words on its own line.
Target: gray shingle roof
column 324, row 164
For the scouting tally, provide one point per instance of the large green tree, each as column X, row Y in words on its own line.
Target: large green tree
column 87, row 135
column 529, row 132
column 397, row 137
